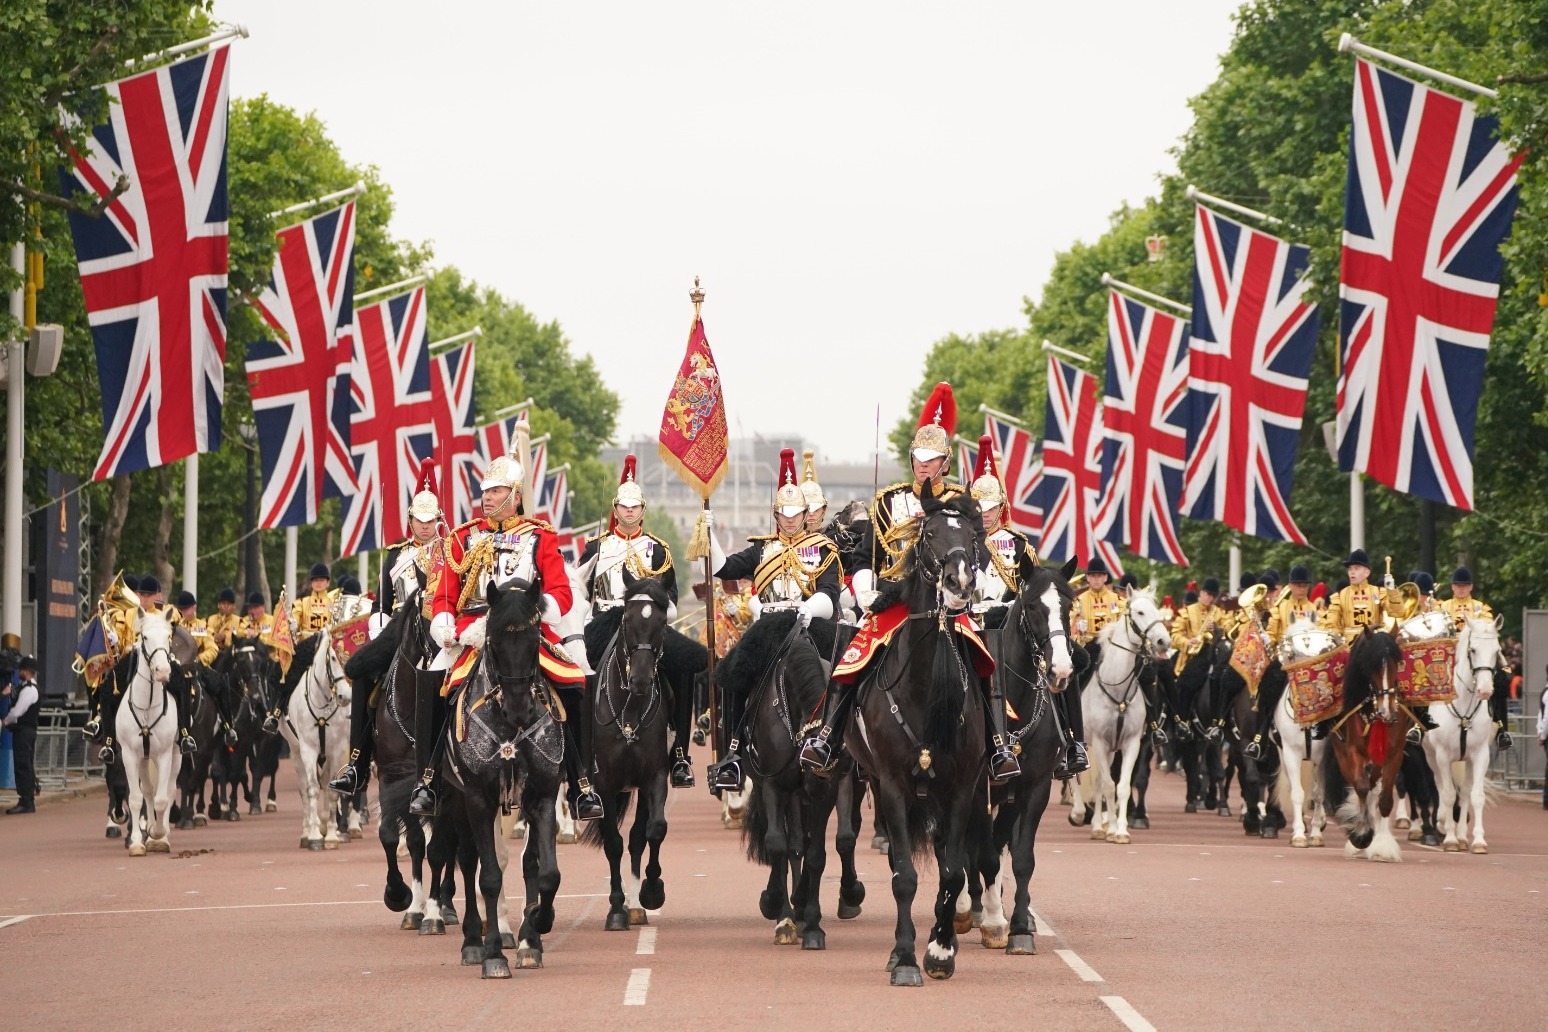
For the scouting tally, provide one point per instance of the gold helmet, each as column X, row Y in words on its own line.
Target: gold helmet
column 426, row 506
column 789, row 500
column 987, row 490
column 812, row 490
column 629, row 492
column 937, row 422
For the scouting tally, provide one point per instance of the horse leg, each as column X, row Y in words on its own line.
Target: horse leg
column 774, row 903
column 993, row 929
column 1384, row 847
column 613, row 846
column 1139, row 820
column 1440, row 763
column 637, row 915
column 1023, row 841
column 1120, row 829
column 481, row 829
column 845, row 839
column 1478, row 771
column 814, row 860
column 653, row 889
column 132, row 773
column 890, row 803
column 540, row 864
column 502, row 912
column 166, row 771
column 951, row 854
column 472, row 923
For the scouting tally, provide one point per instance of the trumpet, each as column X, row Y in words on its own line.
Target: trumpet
column 1253, row 597
column 1411, row 598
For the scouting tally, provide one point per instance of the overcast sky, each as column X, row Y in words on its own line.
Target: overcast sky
column 851, row 180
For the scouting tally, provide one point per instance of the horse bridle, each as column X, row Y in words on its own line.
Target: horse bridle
column 927, row 555
column 622, row 656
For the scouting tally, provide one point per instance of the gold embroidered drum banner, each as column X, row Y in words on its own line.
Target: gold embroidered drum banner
column 1424, row 677
column 1317, row 686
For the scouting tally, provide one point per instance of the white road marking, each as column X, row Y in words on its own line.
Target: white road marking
column 8, row 922
column 1125, row 1012
column 639, row 985
column 1041, row 926
column 647, row 944
column 1080, row 967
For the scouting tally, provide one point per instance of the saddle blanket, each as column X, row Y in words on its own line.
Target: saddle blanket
column 877, row 630
column 1317, row 686
column 552, row 660
column 1424, row 676
column 1250, row 658
column 350, row 637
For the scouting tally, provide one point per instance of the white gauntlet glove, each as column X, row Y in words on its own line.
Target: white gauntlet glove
column 444, row 629
column 550, row 610
column 1389, row 582
column 817, row 606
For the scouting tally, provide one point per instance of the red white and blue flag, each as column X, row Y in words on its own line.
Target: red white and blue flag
column 1250, row 349
column 153, row 265
column 299, row 381
column 1430, row 197
column 1144, row 429
column 492, row 440
column 1020, row 468
column 572, row 540
column 1071, row 482
column 392, row 422
column 967, row 457
column 552, row 504
column 452, row 413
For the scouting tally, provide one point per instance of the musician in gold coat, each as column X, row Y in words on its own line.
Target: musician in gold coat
column 1196, row 621
column 1360, row 604
column 1463, row 606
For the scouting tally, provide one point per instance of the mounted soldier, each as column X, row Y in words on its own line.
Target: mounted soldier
column 502, row 546
column 1360, row 604
column 410, row 563
column 1096, row 606
column 187, row 606
column 1461, row 607
column 796, row 576
column 1285, row 609
column 816, row 500
column 893, row 517
column 313, row 612
column 628, row 547
column 224, row 620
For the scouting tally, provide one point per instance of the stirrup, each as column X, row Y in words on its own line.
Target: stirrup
column 727, row 774
column 1214, row 733
column 682, row 773
column 186, row 744
column 1003, row 765
column 93, row 727
column 1158, row 733
column 106, row 755
column 422, row 803
column 1253, row 750
column 588, row 805
column 1502, row 739
column 1414, row 734
column 347, row 781
column 817, row 756
column 271, row 725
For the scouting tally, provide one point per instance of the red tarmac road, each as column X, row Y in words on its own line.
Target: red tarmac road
column 1193, row 926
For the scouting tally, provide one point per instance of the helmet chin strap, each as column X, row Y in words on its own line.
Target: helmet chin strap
column 510, row 500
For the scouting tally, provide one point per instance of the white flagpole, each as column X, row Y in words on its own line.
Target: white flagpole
column 393, row 288
column 511, row 410
column 997, row 414
column 292, row 539
column 1235, row 566
column 198, row 44
column 1356, row 510
column 15, row 388
column 1347, row 44
column 337, row 195
column 1211, row 201
column 455, row 338
column 190, row 571
column 1049, row 345
column 365, row 571
column 1129, row 288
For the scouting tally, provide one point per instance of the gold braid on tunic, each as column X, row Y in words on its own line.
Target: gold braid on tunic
column 637, row 565
column 1006, row 570
column 480, row 557
column 787, row 562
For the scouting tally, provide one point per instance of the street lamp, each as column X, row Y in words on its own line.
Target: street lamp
column 249, row 434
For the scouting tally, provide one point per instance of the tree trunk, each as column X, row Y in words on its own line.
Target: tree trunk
column 161, row 557
column 112, row 528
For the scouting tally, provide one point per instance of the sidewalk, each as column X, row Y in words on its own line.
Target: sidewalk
column 75, row 788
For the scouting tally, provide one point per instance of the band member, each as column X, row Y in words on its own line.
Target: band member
column 1360, row 604
column 188, row 615
column 314, row 612
column 225, row 618
column 1462, row 606
column 1292, row 606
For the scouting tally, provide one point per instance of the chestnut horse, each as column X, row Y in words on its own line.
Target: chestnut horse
column 1360, row 770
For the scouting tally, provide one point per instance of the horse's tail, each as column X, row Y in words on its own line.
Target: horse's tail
column 755, row 826
column 591, row 833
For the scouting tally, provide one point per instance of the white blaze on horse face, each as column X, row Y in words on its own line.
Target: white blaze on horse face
column 1386, row 707
column 156, row 638
column 1483, row 654
column 1059, row 644
column 645, row 611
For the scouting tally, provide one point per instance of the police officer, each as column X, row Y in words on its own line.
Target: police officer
column 22, row 722
column 1462, row 606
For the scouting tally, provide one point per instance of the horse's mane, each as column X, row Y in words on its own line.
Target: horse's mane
column 306, row 652
column 652, row 588
column 1367, row 655
column 842, row 531
column 515, row 603
column 1036, row 584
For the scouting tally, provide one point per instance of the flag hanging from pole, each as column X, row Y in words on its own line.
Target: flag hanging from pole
column 299, row 381
column 1020, row 469
column 1431, row 194
column 451, row 413
column 153, row 265
column 1071, row 480
column 693, row 425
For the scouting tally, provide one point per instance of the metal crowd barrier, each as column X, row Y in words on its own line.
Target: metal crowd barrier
column 63, row 753
column 1521, row 767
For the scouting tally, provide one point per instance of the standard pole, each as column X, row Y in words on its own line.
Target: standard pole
column 709, row 643
column 1356, row 511
column 190, row 576
column 292, row 539
column 15, row 400
column 1236, row 570
column 365, row 571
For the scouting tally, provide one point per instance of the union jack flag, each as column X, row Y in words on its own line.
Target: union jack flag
column 1021, row 467
column 452, row 412
column 153, row 265
column 967, row 457
column 1071, row 482
column 392, row 421
column 491, row 440
column 1144, row 429
column 553, row 501
column 1250, row 350
column 1430, row 196
column 572, row 540
column 299, row 381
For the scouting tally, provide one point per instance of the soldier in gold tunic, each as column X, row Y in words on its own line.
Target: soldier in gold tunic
column 314, row 612
column 188, row 615
column 1360, row 604
column 1294, row 606
column 1096, row 606
column 1463, row 606
column 224, row 620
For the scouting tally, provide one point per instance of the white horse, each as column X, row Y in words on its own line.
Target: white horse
column 1462, row 735
column 1114, row 708
column 146, row 727
column 317, row 728
column 1290, row 787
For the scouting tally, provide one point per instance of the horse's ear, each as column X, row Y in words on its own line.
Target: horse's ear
column 1068, row 569
column 492, row 594
column 1499, row 622
column 629, row 579
column 1026, row 566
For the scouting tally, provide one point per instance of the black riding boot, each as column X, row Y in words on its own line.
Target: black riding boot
column 186, row 695
column 110, row 697
column 355, row 775
column 1003, row 764
column 1073, row 759
column 429, row 721
column 820, row 751
column 579, row 759
column 682, row 718
column 1498, row 711
column 1268, row 705
column 1150, row 687
column 727, row 774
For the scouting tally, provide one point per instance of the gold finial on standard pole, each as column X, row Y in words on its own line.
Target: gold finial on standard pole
column 696, row 295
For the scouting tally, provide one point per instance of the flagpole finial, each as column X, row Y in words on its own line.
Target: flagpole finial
column 696, row 295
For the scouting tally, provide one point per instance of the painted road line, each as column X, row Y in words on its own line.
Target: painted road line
column 1125, row 1012
column 639, row 985
column 1080, row 967
column 1041, row 926
column 8, row 922
column 647, row 943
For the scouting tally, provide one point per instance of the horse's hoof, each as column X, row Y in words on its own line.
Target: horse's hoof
column 963, row 921
column 907, row 976
column 767, row 905
column 731, row 823
column 232, row 816
column 566, row 838
column 528, row 958
column 472, row 955
column 1190, row 807
column 1452, row 846
column 1298, row 842
column 1251, row 827
column 329, row 843
column 1021, row 946
column 853, row 894
column 200, row 820
column 1429, row 838
column 159, row 845
column 1480, row 848
column 432, row 926
column 496, row 967
column 994, row 938
column 1118, row 838
column 978, row 916
column 519, row 832
column 1222, row 810
column 652, row 894
column 1097, row 834
column 785, row 933
column 617, row 921
column 847, row 912
column 1317, row 842
column 186, row 824
column 1268, row 831
column 270, row 807
column 315, row 845
column 136, row 849
column 354, row 833
column 507, row 940
column 879, row 843
column 637, row 917
column 1415, row 833
column 411, row 922
column 114, row 831
column 1139, row 824
column 1401, row 823
column 397, row 898
column 449, row 915
column 814, row 939
column 940, row 968
column 1075, row 819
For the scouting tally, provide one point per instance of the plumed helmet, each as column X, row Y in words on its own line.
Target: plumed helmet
column 426, row 505
column 185, row 598
column 629, row 491
column 987, row 490
column 937, row 423
column 812, row 490
column 789, row 499
column 502, row 471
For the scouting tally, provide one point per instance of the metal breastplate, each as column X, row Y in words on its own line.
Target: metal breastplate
column 786, row 588
column 991, row 586
column 613, row 558
column 902, row 507
column 405, row 579
column 513, row 560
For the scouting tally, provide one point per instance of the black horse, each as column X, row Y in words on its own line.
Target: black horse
column 252, row 676
column 1259, row 768
column 504, row 742
column 1034, row 658
column 919, row 729
column 1196, row 697
column 630, row 708
column 205, row 726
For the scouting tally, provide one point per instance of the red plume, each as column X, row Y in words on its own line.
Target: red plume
column 427, row 477
column 986, row 463
column 787, row 470
column 1193, row 585
column 940, row 408
column 628, row 473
